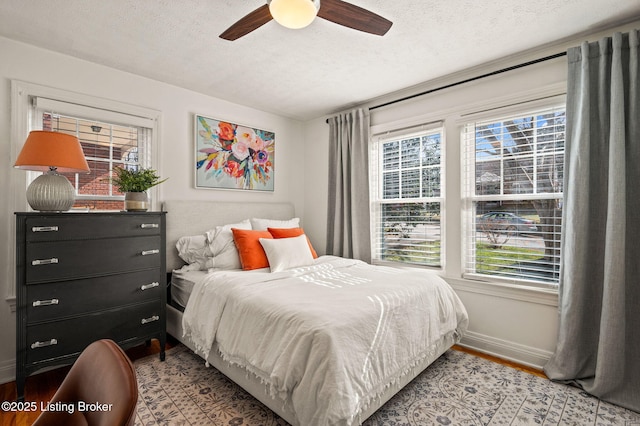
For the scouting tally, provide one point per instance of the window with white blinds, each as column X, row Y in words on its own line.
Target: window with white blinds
column 513, row 193
column 106, row 143
column 407, row 177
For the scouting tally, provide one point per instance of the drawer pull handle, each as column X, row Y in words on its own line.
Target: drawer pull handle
column 44, row 229
column 149, row 225
column 150, row 319
column 46, row 302
column 149, row 252
column 44, row 344
column 44, row 261
column 148, row 286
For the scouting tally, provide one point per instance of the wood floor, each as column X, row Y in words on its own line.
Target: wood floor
column 41, row 387
column 511, row 364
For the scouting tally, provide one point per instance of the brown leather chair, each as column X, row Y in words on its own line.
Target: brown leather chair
column 100, row 389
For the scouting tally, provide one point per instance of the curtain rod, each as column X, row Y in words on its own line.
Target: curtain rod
column 468, row 80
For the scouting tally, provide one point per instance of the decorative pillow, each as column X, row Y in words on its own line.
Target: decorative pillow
column 194, row 250
column 252, row 255
column 291, row 232
column 222, row 248
column 261, row 224
column 287, row 253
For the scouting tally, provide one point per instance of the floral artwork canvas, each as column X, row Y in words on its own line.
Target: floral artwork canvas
column 233, row 156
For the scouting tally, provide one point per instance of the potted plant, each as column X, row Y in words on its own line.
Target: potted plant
column 134, row 183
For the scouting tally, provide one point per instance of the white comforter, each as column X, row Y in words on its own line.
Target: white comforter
column 326, row 338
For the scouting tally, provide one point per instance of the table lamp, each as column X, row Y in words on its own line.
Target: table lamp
column 51, row 152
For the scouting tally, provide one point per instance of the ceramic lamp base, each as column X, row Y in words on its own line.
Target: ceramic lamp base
column 51, row 192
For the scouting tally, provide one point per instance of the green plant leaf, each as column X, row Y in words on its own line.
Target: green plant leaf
column 138, row 180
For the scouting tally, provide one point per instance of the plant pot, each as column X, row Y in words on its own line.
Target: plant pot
column 136, row 201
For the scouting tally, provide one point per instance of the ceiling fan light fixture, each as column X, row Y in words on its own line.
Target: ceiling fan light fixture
column 294, row 14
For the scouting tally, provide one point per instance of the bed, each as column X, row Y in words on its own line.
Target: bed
column 325, row 342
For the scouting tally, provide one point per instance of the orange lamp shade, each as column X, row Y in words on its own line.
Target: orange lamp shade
column 44, row 150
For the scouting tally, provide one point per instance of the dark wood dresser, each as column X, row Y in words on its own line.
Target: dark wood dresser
column 81, row 277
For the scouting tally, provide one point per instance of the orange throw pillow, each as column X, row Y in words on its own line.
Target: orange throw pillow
column 252, row 255
column 289, row 233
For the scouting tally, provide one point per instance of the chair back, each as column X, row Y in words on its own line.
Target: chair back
column 99, row 390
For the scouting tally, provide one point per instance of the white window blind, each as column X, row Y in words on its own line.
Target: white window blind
column 108, row 139
column 130, row 118
column 407, row 177
column 513, row 194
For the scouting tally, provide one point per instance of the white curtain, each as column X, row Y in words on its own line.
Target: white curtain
column 599, row 334
column 348, row 215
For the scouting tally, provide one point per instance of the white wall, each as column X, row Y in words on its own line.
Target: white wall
column 27, row 63
column 511, row 322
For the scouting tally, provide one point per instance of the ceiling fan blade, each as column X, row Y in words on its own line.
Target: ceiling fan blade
column 250, row 22
column 352, row 16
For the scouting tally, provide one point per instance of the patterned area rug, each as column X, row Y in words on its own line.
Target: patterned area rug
column 457, row 389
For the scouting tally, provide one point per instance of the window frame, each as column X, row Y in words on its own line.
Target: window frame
column 455, row 108
column 21, row 123
column 378, row 199
column 468, row 183
column 23, row 119
column 77, row 123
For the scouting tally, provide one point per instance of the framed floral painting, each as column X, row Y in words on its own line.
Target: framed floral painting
column 233, row 156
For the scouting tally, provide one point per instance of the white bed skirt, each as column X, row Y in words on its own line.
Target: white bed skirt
column 252, row 384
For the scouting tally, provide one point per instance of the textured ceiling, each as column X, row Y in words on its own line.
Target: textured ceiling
column 306, row 73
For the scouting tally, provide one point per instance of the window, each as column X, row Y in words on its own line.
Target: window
column 107, row 141
column 513, row 179
column 407, row 175
column 35, row 107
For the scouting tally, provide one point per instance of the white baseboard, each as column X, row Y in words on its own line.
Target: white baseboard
column 522, row 354
column 8, row 371
column 511, row 351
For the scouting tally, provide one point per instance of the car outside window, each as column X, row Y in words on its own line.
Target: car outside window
column 514, row 178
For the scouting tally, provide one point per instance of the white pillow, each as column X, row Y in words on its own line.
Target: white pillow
column 287, row 253
column 228, row 259
column 194, row 249
column 263, row 224
column 222, row 248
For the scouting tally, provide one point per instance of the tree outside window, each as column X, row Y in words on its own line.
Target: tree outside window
column 408, row 203
column 516, row 183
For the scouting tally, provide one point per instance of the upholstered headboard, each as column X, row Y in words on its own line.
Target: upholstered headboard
column 185, row 218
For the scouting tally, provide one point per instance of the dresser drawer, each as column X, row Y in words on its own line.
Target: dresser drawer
column 81, row 277
column 70, row 337
column 55, row 261
column 71, row 227
column 47, row 302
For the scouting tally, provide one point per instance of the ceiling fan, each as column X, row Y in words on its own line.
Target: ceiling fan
column 300, row 13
